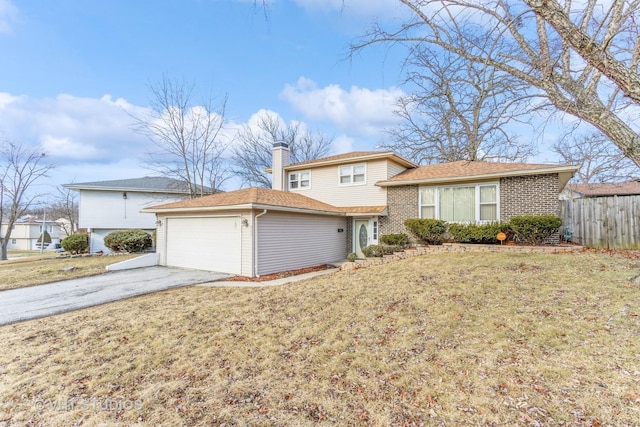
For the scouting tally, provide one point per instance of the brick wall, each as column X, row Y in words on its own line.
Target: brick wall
column 519, row 195
column 525, row 195
column 402, row 204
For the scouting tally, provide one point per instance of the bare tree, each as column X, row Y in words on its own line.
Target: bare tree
column 20, row 169
column 189, row 137
column 581, row 56
column 252, row 150
column 457, row 109
column 64, row 205
column 599, row 160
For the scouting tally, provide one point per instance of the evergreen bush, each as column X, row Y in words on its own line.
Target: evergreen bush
column 535, row 229
column 429, row 231
column 46, row 237
column 478, row 233
column 398, row 239
column 75, row 243
column 131, row 241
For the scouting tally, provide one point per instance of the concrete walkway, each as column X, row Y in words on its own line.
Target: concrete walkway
column 276, row 282
column 68, row 295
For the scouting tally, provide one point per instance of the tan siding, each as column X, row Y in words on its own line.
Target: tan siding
column 394, row 169
column 324, row 186
column 289, row 241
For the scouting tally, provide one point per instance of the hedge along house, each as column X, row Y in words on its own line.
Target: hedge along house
column 318, row 211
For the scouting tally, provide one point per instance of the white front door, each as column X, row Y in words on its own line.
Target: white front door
column 362, row 236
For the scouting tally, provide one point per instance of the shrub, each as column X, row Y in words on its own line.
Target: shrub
column 535, row 229
column 429, row 231
column 46, row 237
column 75, row 243
column 379, row 250
column 399, row 239
column 132, row 241
column 352, row 257
column 477, row 233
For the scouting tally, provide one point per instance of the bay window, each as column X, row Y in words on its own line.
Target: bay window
column 460, row 203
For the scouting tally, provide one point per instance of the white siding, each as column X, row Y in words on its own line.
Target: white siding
column 288, row 241
column 109, row 210
column 246, row 239
column 210, row 243
column 324, row 186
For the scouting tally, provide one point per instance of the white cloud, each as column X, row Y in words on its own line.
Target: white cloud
column 57, row 147
column 359, row 110
column 8, row 16
column 342, row 144
column 71, row 128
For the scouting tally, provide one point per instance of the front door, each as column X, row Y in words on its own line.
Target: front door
column 361, row 236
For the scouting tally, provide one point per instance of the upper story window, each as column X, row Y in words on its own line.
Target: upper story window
column 353, row 174
column 460, row 203
column 299, row 180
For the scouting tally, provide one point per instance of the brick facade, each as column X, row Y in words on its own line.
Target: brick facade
column 529, row 195
column 402, row 204
column 519, row 195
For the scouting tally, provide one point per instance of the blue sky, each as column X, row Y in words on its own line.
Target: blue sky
column 70, row 69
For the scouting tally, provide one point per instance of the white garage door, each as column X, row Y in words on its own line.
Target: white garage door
column 212, row 244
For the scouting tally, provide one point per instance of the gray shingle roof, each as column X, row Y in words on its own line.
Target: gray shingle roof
column 153, row 184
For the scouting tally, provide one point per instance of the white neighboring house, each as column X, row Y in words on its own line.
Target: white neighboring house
column 107, row 206
column 27, row 230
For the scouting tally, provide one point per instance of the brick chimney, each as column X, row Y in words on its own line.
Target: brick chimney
column 279, row 159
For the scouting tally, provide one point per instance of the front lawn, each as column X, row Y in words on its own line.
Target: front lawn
column 35, row 269
column 447, row 339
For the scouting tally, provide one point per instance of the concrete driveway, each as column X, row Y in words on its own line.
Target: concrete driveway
column 69, row 295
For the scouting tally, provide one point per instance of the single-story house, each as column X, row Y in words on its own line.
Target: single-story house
column 107, row 206
column 319, row 211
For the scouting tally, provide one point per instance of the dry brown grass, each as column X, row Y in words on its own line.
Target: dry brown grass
column 450, row 339
column 39, row 269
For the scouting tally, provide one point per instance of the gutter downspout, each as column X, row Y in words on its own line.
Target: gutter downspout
column 255, row 242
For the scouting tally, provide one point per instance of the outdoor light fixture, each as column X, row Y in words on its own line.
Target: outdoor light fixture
column 158, row 223
column 124, row 194
column 245, row 222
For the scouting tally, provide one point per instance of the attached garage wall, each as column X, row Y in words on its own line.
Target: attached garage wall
column 216, row 242
column 288, row 241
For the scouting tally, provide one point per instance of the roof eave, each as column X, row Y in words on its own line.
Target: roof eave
column 183, row 209
column 129, row 189
column 377, row 156
column 562, row 170
column 244, row 206
column 384, row 212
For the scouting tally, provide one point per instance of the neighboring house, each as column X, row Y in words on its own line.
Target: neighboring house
column 318, row 211
column 107, row 206
column 578, row 191
column 604, row 215
column 27, row 230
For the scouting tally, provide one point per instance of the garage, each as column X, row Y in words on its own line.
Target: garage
column 205, row 243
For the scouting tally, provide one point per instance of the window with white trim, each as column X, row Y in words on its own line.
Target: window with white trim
column 353, row 174
column 460, row 203
column 299, row 180
column 374, row 231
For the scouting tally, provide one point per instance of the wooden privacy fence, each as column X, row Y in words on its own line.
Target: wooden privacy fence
column 611, row 222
